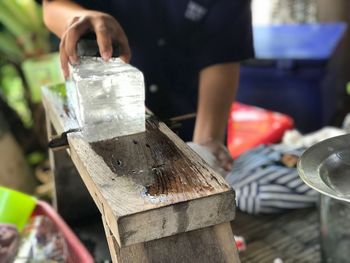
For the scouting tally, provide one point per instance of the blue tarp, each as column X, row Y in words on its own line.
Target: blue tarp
column 297, row 41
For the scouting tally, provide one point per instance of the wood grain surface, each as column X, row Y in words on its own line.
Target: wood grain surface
column 213, row 244
column 149, row 185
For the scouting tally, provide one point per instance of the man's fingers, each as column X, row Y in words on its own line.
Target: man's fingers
column 64, row 60
column 125, row 53
column 224, row 157
column 226, row 162
column 73, row 34
column 72, row 21
column 228, row 165
column 106, row 29
column 104, row 41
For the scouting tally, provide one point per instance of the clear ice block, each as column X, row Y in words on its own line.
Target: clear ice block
column 108, row 98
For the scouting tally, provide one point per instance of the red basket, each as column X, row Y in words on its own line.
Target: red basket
column 250, row 126
column 77, row 252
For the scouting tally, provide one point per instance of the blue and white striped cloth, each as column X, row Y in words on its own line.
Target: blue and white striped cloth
column 264, row 185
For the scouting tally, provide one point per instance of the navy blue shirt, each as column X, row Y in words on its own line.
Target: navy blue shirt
column 172, row 40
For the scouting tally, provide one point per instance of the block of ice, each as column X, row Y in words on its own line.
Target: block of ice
column 108, row 98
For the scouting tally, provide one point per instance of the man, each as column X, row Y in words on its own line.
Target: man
column 181, row 46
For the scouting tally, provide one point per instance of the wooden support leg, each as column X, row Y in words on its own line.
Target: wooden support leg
column 209, row 245
column 71, row 197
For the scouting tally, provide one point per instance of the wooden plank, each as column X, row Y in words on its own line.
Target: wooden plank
column 150, row 195
column 211, row 244
column 112, row 243
column 148, row 185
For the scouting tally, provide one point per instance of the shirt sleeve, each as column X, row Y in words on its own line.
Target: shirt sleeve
column 226, row 34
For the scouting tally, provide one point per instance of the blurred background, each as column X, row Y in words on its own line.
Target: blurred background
column 27, row 62
column 301, row 69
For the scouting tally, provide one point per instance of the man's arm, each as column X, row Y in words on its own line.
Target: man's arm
column 225, row 40
column 70, row 21
column 217, row 91
column 57, row 15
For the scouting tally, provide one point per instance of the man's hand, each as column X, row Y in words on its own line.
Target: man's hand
column 221, row 154
column 107, row 30
column 215, row 154
column 69, row 21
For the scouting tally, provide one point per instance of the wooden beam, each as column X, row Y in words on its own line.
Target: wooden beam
column 211, row 244
column 147, row 193
column 148, row 185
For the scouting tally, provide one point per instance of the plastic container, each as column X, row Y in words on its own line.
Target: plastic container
column 295, row 72
column 15, row 207
column 250, row 126
column 77, row 252
column 298, row 92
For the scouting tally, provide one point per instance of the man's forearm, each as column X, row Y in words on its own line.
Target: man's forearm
column 58, row 13
column 217, row 90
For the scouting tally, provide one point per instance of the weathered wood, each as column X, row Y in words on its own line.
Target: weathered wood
column 207, row 245
column 148, row 185
column 162, row 190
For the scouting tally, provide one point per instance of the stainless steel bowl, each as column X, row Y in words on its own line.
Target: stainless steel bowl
column 325, row 167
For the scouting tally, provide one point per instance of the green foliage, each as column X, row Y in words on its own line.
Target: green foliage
column 35, row 158
column 25, row 66
column 9, row 47
column 12, row 89
column 40, row 72
column 23, row 34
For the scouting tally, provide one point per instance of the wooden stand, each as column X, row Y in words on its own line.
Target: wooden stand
column 159, row 201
